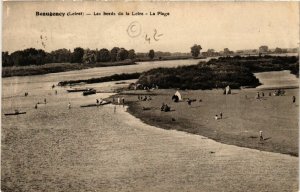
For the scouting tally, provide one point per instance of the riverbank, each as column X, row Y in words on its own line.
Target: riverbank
column 243, row 116
column 56, row 68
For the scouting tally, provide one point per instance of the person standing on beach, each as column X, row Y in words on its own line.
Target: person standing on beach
column 69, row 105
column 257, row 96
column 216, row 117
column 119, row 100
column 261, row 138
column 55, row 92
column 221, row 115
column 45, row 101
column 36, row 106
column 294, row 99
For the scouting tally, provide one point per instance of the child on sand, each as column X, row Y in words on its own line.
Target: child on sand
column 216, row 117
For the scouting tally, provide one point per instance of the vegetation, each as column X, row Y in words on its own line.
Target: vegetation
column 151, row 54
column 195, row 50
column 262, row 64
column 218, row 73
column 33, row 56
column 115, row 77
column 201, row 76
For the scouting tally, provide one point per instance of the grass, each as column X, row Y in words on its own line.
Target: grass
column 243, row 117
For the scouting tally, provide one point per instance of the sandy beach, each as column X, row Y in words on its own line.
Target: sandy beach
column 243, row 116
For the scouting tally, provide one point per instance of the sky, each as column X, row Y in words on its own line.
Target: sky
column 213, row 25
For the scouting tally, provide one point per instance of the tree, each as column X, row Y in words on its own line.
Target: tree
column 195, row 50
column 6, row 59
column 89, row 56
column 61, row 56
column 122, row 54
column 103, row 55
column 227, row 51
column 151, row 54
column 114, row 53
column 131, row 54
column 278, row 50
column 77, row 55
column 263, row 49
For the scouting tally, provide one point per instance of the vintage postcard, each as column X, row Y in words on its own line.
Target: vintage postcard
column 150, row 96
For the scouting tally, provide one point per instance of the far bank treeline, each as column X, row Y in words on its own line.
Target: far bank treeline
column 38, row 57
column 218, row 73
column 32, row 56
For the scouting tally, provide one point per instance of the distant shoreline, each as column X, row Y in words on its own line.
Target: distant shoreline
column 56, row 68
column 64, row 67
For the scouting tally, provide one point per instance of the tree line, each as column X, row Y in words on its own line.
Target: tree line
column 32, row 56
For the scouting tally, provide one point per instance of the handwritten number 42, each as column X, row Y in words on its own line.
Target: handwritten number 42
column 155, row 36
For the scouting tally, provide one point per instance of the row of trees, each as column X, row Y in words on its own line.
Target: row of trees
column 34, row 56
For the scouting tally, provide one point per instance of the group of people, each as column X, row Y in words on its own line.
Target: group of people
column 36, row 105
column 119, row 100
column 258, row 95
column 165, row 107
column 217, row 117
column 144, row 98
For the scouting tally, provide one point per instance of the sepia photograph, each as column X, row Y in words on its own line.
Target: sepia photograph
column 150, row 96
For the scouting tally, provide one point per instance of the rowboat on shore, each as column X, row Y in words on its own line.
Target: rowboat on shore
column 89, row 92
column 15, row 113
column 78, row 90
column 95, row 105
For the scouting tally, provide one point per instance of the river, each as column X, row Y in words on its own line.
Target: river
column 276, row 79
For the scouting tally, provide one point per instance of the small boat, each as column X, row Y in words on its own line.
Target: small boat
column 15, row 113
column 78, row 90
column 95, row 105
column 89, row 92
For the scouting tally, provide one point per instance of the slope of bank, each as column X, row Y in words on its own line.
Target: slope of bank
column 243, row 116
